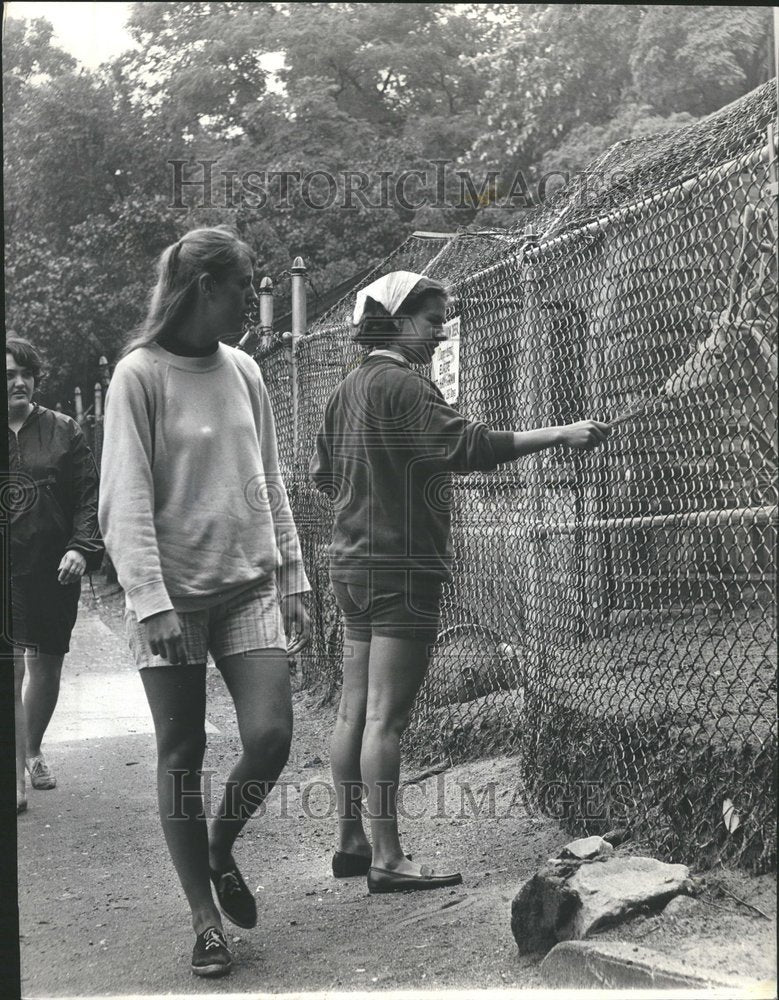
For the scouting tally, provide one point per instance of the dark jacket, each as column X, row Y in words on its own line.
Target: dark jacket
column 384, row 455
column 52, row 494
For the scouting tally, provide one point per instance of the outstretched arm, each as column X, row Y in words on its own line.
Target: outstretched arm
column 468, row 446
column 582, row 436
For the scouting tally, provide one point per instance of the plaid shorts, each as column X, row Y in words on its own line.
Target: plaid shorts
column 242, row 624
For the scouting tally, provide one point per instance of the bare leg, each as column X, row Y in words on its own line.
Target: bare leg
column 40, row 697
column 396, row 669
column 346, row 746
column 177, row 698
column 259, row 685
column 19, row 729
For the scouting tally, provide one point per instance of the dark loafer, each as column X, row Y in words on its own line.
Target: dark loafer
column 381, row 880
column 235, row 897
column 346, row 865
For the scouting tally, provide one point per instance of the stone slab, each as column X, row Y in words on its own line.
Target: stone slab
column 569, row 899
column 615, row 965
column 611, row 890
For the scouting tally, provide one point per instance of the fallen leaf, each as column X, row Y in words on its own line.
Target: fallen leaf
column 730, row 816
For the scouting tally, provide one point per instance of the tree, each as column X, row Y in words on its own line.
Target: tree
column 698, row 59
column 200, row 64
column 557, row 67
column 569, row 81
column 340, row 96
column 28, row 54
column 83, row 301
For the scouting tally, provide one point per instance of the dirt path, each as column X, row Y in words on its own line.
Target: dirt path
column 101, row 911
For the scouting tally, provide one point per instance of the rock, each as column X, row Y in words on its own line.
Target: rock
column 587, row 848
column 610, row 891
column 681, row 906
column 617, row 836
column 467, row 665
column 543, row 904
column 571, row 899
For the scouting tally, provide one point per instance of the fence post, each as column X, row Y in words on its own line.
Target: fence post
column 79, row 404
column 105, row 372
column 265, row 295
column 298, row 272
column 266, row 305
column 97, row 448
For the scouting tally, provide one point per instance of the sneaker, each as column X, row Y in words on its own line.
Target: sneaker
column 41, row 776
column 211, row 956
column 235, row 897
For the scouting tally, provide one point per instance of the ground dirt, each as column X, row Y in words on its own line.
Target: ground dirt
column 102, row 913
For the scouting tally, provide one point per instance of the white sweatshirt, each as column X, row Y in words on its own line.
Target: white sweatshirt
column 193, row 508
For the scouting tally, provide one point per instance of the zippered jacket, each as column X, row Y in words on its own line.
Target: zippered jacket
column 53, row 494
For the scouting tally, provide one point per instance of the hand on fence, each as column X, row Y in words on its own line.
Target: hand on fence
column 71, row 567
column 585, row 434
column 163, row 632
column 297, row 623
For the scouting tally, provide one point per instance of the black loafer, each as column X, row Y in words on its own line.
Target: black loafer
column 346, row 865
column 381, row 880
column 235, row 897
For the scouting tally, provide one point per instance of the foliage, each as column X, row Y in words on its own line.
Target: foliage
column 80, row 303
column 338, row 88
column 687, row 60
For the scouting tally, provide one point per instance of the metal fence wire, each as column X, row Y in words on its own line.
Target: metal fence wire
column 612, row 615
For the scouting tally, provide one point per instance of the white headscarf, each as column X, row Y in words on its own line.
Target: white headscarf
column 390, row 291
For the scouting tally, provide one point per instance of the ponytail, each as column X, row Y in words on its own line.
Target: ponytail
column 214, row 251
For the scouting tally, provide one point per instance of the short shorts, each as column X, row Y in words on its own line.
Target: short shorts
column 250, row 621
column 43, row 612
column 370, row 610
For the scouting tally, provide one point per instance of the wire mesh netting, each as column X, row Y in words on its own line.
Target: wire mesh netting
column 612, row 614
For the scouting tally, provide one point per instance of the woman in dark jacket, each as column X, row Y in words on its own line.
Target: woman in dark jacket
column 54, row 540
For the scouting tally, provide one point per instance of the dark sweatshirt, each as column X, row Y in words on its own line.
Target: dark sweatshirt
column 384, row 455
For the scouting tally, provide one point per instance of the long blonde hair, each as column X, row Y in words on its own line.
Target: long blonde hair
column 215, row 251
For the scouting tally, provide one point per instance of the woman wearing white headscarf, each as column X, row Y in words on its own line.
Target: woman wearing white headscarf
column 384, row 454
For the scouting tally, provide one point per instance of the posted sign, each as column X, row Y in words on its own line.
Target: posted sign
column 446, row 362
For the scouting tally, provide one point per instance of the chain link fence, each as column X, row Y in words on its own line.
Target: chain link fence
column 612, row 615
